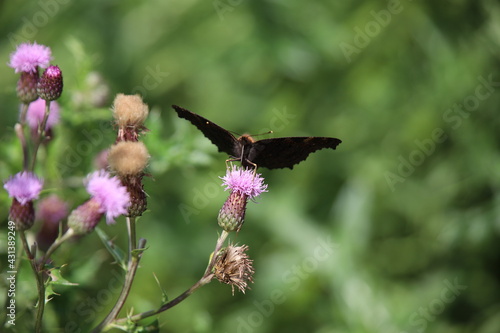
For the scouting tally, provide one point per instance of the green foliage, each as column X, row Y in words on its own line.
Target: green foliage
column 395, row 231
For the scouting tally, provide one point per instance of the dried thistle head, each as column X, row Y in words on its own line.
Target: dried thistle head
column 129, row 112
column 233, row 266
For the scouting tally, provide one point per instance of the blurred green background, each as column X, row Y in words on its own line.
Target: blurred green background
column 398, row 230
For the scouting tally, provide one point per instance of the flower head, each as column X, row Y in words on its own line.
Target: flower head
column 128, row 159
column 244, row 181
column 232, row 266
column 50, row 85
column 129, row 112
column 28, row 57
column 24, row 187
column 36, row 112
column 244, row 184
column 108, row 192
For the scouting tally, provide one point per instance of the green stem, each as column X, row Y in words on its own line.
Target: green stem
column 129, row 278
column 39, row 283
column 70, row 233
column 207, row 277
column 131, row 236
column 40, row 134
column 18, row 128
column 203, row 281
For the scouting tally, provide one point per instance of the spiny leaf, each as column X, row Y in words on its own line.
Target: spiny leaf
column 115, row 251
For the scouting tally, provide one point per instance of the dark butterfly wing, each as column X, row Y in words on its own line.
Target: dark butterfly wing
column 286, row 152
column 220, row 137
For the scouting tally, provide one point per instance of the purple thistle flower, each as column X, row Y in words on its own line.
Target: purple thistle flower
column 244, row 181
column 112, row 197
column 36, row 112
column 244, row 184
column 24, row 187
column 28, row 57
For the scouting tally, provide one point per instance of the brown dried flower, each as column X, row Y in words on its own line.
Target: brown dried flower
column 232, row 266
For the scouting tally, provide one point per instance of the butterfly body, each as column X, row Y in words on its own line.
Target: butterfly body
column 272, row 153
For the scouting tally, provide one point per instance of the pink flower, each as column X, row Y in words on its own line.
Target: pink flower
column 24, row 187
column 244, row 181
column 112, row 197
column 36, row 112
column 28, row 57
column 244, row 184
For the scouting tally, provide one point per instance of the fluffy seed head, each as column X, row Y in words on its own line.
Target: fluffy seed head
column 129, row 110
column 128, row 158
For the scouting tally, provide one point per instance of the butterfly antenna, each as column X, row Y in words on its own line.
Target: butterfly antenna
column 260, row 134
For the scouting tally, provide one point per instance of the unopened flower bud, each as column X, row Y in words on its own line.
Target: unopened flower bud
column 50, row 85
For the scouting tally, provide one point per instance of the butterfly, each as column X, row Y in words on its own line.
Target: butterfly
column 268, row 153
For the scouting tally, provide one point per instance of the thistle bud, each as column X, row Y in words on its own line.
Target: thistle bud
column 50, row 85
column 26, row 87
